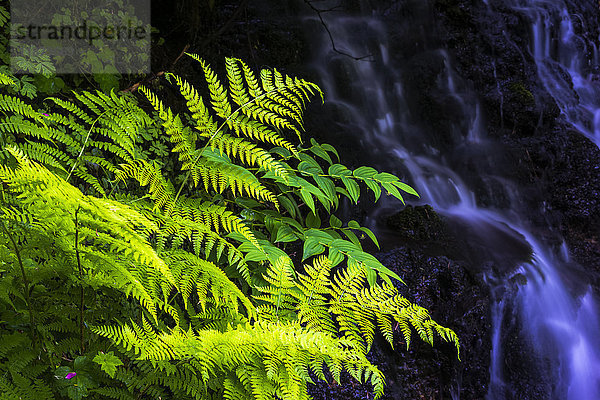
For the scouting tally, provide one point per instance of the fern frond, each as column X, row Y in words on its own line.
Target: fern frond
column 241, row 356
column 208, row 281
column 6, row 80
column 14, row 105
column 220, row 101
column 101, row 221
column 248, row 153
column 345, row 304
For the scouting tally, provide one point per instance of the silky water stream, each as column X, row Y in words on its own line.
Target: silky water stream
column 377, row 100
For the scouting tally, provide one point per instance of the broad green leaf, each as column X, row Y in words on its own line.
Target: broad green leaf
column 312, row 247
column 375, row 188
column 371, row 235
column 343, row 191
column 335, row 256
column 108, row 362
column 292, row 223
column 365, row 172
column 309, row 168
column 353, row 224
column 285, row 234
column 308, row 199
column 339, row 170
column 384, row 177
column 320, row 152
column 353, row 238
column 353, row 188
column 393, row 190
column 331, row 149
column 403, row 186
column 334, row 221
column 313, row 221
column 289, row 204
column 371, row 277
column 328, row 187
column 283, row 152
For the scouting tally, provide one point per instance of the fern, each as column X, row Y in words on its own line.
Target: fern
column 6, row 80
column 101, row 124
column 109, row 225
column 345, row 302
column 262, row 360
column 142, row 278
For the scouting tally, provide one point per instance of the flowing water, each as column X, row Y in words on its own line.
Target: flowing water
column 377, row 98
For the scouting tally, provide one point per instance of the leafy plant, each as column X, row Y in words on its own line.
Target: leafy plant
column 209, row 276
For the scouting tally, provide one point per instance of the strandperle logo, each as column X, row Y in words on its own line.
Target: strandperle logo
column 83, row 37
column 88, row 31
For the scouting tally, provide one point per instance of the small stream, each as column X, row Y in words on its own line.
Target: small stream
column 377, row 98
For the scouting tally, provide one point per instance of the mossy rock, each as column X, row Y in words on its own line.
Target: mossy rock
column 418, row 224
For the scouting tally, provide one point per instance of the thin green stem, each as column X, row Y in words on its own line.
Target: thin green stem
column 25, row 281
column 84, row 144
column 82, row 293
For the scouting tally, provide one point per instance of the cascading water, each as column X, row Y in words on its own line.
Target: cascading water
column 566, row 53
column 559, row 319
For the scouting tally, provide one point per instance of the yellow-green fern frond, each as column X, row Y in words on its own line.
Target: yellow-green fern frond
column 101, row 224
column 6, row 80
column 262, row 360
column 149, row 174
column 218, row 94
column 218, row 173
column 277, row 100
column 16, row 106
column 345, row 304
column 200, row 113
column 161, row 191
column 280, row 278
column 88, row 127
column 208, row 281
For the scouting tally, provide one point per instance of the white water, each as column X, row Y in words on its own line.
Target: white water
column 562, row 327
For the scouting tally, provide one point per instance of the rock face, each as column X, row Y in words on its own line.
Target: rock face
column 556, row 171
column 491, row 50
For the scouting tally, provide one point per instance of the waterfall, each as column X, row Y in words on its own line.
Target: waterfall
column 566, row 53
column 372, row 96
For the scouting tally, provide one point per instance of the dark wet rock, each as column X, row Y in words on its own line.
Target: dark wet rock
column 456, row 298
column 529, row 375
column 418, row 224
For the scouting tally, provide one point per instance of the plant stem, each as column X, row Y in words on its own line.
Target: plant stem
column 82, row 298
column 25, row 282
column 84, row 144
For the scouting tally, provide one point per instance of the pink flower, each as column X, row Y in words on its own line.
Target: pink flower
column 70, row 375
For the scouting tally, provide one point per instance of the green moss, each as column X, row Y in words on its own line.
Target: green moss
column 521, row 93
